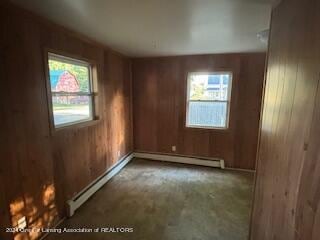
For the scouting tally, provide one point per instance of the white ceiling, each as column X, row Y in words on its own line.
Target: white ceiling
column 162, row 27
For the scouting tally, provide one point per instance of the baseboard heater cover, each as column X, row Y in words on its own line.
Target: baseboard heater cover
column 84, row 195
column 208, row 162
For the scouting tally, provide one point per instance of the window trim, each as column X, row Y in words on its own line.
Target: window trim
column 66, row 58
column 228, row 101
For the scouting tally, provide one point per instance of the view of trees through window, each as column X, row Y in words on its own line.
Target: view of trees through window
column 70, row 89
column 80, row 72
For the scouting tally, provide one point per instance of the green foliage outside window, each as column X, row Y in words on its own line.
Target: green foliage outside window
column 80, row 72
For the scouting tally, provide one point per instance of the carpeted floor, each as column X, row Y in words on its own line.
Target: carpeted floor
column 157, row 200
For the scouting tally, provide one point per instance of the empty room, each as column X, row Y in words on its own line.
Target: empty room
column 160, row 119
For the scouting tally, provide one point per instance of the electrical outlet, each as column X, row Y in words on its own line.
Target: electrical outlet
column 174, row 148
column 118, row 153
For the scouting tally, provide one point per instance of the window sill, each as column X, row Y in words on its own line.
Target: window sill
column 226, row 129
column 75, row 126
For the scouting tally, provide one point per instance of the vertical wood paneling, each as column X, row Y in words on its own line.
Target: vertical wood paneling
column 287, row 184
column 159, row 103
column 41, row 169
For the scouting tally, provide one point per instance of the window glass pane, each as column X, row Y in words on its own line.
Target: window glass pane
column 209, row 86
column 67, row 77
column 68, row 109
column 207, row 114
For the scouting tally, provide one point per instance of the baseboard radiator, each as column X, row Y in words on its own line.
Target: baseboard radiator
column 208, row 162
column 84, row 195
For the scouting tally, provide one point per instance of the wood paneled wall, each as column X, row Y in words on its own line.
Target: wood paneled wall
column 287, row 192
column 159, row 104
column 39, row 169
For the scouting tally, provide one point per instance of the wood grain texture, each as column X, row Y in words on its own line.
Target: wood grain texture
column 39, row 169
column 159, row 104
column 287, row 188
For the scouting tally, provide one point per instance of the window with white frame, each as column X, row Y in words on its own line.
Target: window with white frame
column 208, row 100
column 71, row 90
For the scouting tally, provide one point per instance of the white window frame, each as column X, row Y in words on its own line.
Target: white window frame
column 228, row 101
column 90, row 93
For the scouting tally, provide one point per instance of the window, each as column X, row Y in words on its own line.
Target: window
column 208, row 100
column 71, row 90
